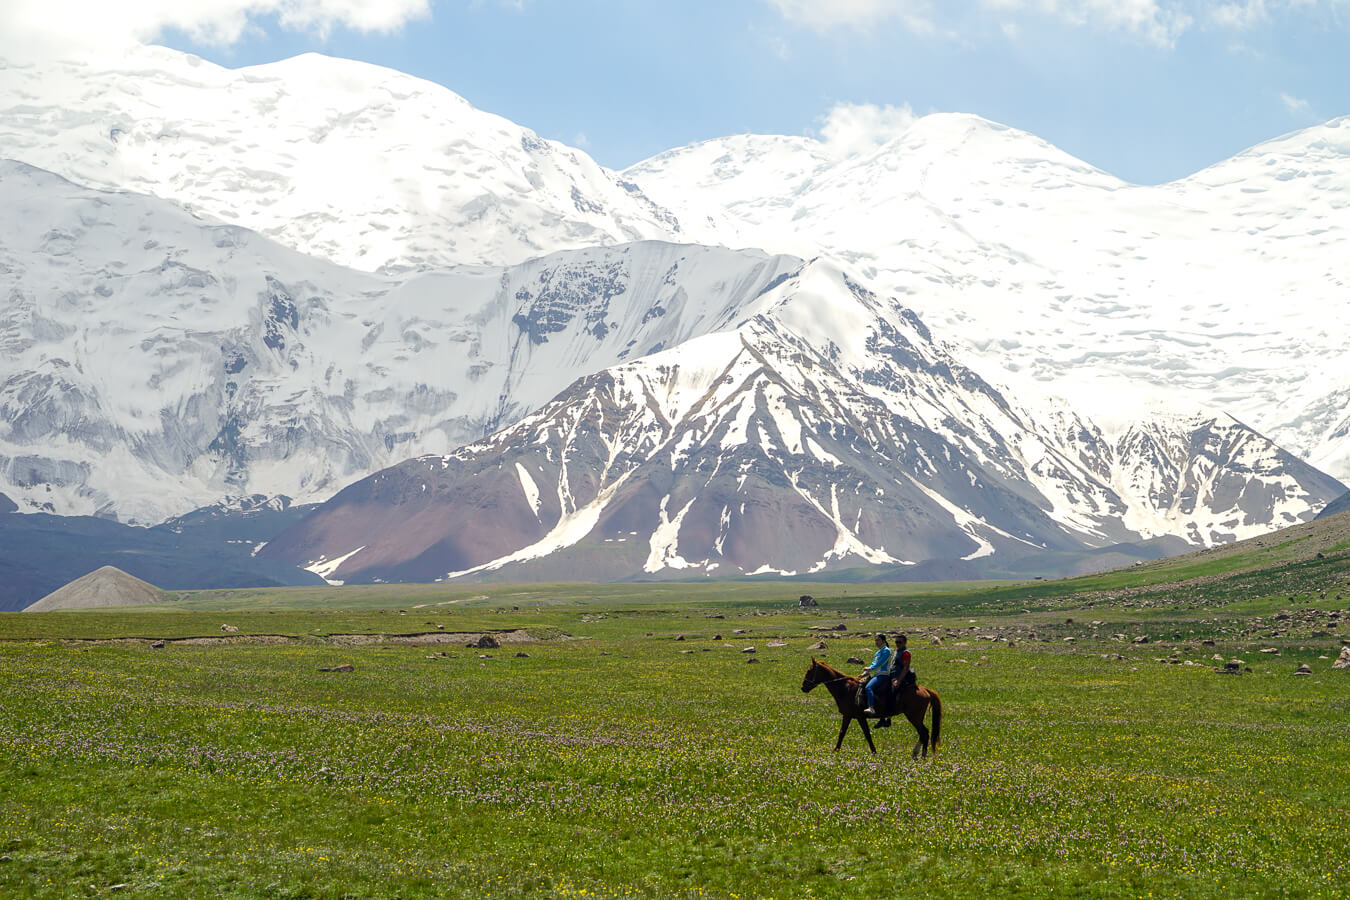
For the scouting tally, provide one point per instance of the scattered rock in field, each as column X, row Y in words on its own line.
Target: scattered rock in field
column 679, row 637
column 840, row 627
column 345, row 667
column 522, row 655
column 1070, row 640
column 777, row 644
column 752, row 659
column 1218, row 657
column 935, row 641
column 1142, row 639
column 1207, row 642
column 717, row 637
column 1304, row 669
column 738, row 631
column 1118, row 637
column 485, row 656
column 229, row 628
column 157, row 645
column 686, row 651
column 854, row 661
column 818, row 645
column 1342, row 661
column 1012, row 644
column 485, row 642
column 1272, row 650
column 747, row 649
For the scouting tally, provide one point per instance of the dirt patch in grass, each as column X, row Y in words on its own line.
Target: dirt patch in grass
column 457, row 638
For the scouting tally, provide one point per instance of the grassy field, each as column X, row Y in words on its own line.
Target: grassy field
column 594, row 754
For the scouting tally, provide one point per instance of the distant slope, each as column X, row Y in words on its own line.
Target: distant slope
column 39, row 553
column 1335, row 507
column 1310, row 557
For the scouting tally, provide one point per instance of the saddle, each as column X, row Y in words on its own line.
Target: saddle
column 908, row 683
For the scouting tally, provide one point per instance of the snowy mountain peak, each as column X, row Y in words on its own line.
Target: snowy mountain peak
column 361, row 165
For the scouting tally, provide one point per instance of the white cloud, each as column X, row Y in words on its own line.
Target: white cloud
column 1239, row 15
column 916, row 15
column 1296, row 106
column 77, row 26
column 1154, row 21
column 1159, row 22
column 849, row 129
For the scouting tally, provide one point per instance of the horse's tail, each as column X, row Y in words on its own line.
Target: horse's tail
column 937, row 720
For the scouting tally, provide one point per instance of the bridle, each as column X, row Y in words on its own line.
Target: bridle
column 839, row 678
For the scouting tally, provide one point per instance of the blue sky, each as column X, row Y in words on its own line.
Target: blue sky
column 1149, row 90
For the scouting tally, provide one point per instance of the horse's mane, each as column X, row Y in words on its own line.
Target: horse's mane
column 829, row 668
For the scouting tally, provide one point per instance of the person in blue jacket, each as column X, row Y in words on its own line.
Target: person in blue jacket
column 878, row 669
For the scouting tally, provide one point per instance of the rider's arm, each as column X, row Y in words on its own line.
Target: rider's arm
column 901, row 665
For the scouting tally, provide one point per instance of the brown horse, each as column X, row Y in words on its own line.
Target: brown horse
column 912, row 704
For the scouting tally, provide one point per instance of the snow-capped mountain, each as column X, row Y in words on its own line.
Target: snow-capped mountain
column 154, row 362
column 279, row 280
column 350, row 162
column 1226, row 289
column 794, row 443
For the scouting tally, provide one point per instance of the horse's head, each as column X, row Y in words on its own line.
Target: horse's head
column 814, row 675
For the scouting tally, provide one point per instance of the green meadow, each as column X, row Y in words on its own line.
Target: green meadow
column 620, row 742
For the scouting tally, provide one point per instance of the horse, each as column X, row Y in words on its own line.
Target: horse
column 912, row 704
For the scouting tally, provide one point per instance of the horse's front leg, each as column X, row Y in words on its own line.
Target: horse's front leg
column 867, row 733
column 843, row 730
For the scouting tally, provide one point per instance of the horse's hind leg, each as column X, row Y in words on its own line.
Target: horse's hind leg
column 922, row 745
column 843, row 730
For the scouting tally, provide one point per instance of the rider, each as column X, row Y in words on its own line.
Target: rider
column 878, row 669
column 901, row 671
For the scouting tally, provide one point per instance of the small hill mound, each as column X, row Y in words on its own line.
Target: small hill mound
column 108, row 586
column 1339, row 505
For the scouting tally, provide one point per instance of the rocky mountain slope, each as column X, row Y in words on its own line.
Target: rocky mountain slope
column 155, row 362
column 792, row 443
